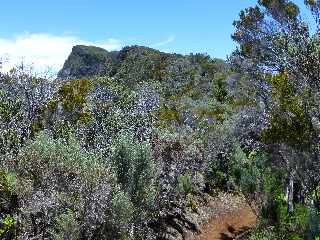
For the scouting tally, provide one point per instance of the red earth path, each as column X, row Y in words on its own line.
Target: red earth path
column 229, row 225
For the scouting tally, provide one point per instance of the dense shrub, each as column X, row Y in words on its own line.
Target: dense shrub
column 135, row 171
column 52, row 175
column 126, row 149
column 8, row 205
column 66, row 227
column 300, row 225
column 185, row 185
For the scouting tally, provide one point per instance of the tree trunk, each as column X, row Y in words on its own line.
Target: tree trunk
column 290, row 191
column 316, row 201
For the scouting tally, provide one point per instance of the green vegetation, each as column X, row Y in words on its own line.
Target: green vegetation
column 125, row 144
column 289, row 92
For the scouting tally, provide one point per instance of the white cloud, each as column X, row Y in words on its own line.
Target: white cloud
column 165, row 42
column 44, row 50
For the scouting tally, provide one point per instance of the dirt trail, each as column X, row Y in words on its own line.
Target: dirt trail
column 229, row 225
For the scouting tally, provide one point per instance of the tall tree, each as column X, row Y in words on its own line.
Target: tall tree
column 281, row 53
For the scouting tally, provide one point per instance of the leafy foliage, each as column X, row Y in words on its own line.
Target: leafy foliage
column 279, row 51
column 120, row 139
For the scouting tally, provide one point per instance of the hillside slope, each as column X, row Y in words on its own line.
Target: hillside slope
column 140, row 138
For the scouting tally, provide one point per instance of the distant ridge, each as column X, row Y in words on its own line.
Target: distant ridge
column 134, row 64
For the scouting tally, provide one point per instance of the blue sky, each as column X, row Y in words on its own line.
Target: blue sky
column 40, row 27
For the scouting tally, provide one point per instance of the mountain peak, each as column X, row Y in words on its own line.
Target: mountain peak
column 87, row 61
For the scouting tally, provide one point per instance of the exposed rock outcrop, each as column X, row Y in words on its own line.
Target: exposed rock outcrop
column 85, row 61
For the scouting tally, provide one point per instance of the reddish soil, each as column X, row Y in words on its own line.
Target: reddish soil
column 228, row 226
